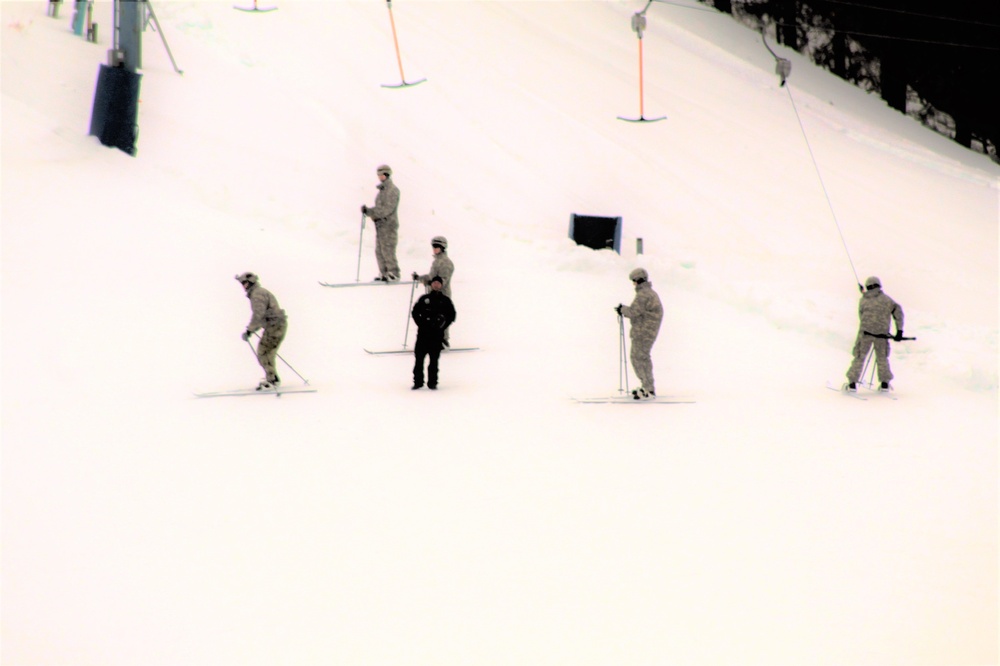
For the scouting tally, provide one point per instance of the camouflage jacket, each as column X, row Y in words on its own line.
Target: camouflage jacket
column 266, row 311
column 444, row 267
column 876, row 312
column 386, row 204
column 646, row 313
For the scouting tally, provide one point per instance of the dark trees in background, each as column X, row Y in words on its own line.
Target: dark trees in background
column 936, row 61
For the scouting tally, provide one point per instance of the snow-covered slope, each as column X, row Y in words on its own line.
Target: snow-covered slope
column 494, row 521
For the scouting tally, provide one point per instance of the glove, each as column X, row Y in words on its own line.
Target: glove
column 899, row 335
column 364, row 209
column 415, row 276
column 618, row 308
column 246, row 336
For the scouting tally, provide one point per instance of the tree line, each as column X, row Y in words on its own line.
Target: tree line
column 936, row 61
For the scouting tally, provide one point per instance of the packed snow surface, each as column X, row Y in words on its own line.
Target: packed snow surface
column 495, row 521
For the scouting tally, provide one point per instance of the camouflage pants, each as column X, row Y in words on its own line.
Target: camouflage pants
column 267, row 349
column 861, row 347
column 386, row 239
column 642, row 363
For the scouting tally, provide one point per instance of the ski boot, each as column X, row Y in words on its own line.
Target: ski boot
column 269, row 384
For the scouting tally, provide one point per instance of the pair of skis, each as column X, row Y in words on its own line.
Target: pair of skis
column 279, row 391
column 404, row 350
column 869, row 391
column 373, row 283
column 629, row 400
column 380, row 283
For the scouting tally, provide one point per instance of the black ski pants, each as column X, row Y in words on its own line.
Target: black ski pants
column 427, row 347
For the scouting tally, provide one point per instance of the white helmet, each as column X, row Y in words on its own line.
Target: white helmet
column 638, row 274
column 440, row 241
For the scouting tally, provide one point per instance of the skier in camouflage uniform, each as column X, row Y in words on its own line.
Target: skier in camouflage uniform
column 876, row 312
column 386, row 224
column 646, row 313
column 266, row 314
column 442, row 267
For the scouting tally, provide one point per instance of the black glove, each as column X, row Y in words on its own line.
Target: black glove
column 899, row 335
column 364, row 209
column 618, row 308
column 246, row 335
column 415, row 276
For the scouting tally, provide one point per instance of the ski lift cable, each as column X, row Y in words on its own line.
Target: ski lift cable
column 784, row 72
column 826, row 193
column 895, row 37
column 936, row 17
column 856, row 32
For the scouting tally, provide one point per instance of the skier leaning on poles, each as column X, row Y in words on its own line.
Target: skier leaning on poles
column 876, row 311
column 266, row 314
column 384, row 214
column 646, row 314
column 442, row 267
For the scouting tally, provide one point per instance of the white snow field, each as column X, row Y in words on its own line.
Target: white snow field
column 494, row 521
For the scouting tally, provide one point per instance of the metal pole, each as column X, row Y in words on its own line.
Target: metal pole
column 163, row 37
column 357, row 277
column 395, row 42
column 409, row 309
column 624, row 363
column 642, row 113
column 279, row 358
column 621, row 356
column 871, row 357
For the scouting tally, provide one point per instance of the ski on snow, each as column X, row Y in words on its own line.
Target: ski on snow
column 629, row 400
column 876, row 393
column 844, row 391
column 373, row 283
column 879, row 393
column 255, row 8
column 396, row 352
column 281, row 390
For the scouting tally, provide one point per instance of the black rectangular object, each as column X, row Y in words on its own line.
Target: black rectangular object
column 114, row 118
column 596, row 232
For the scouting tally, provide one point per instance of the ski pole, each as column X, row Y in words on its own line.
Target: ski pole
column 621, row 342
column 871, row 358
column 624, row 364
column 357, row 277
column 280, row 358
column 406, row 336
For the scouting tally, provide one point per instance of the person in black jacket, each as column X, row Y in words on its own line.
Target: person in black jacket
column 433, row 314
